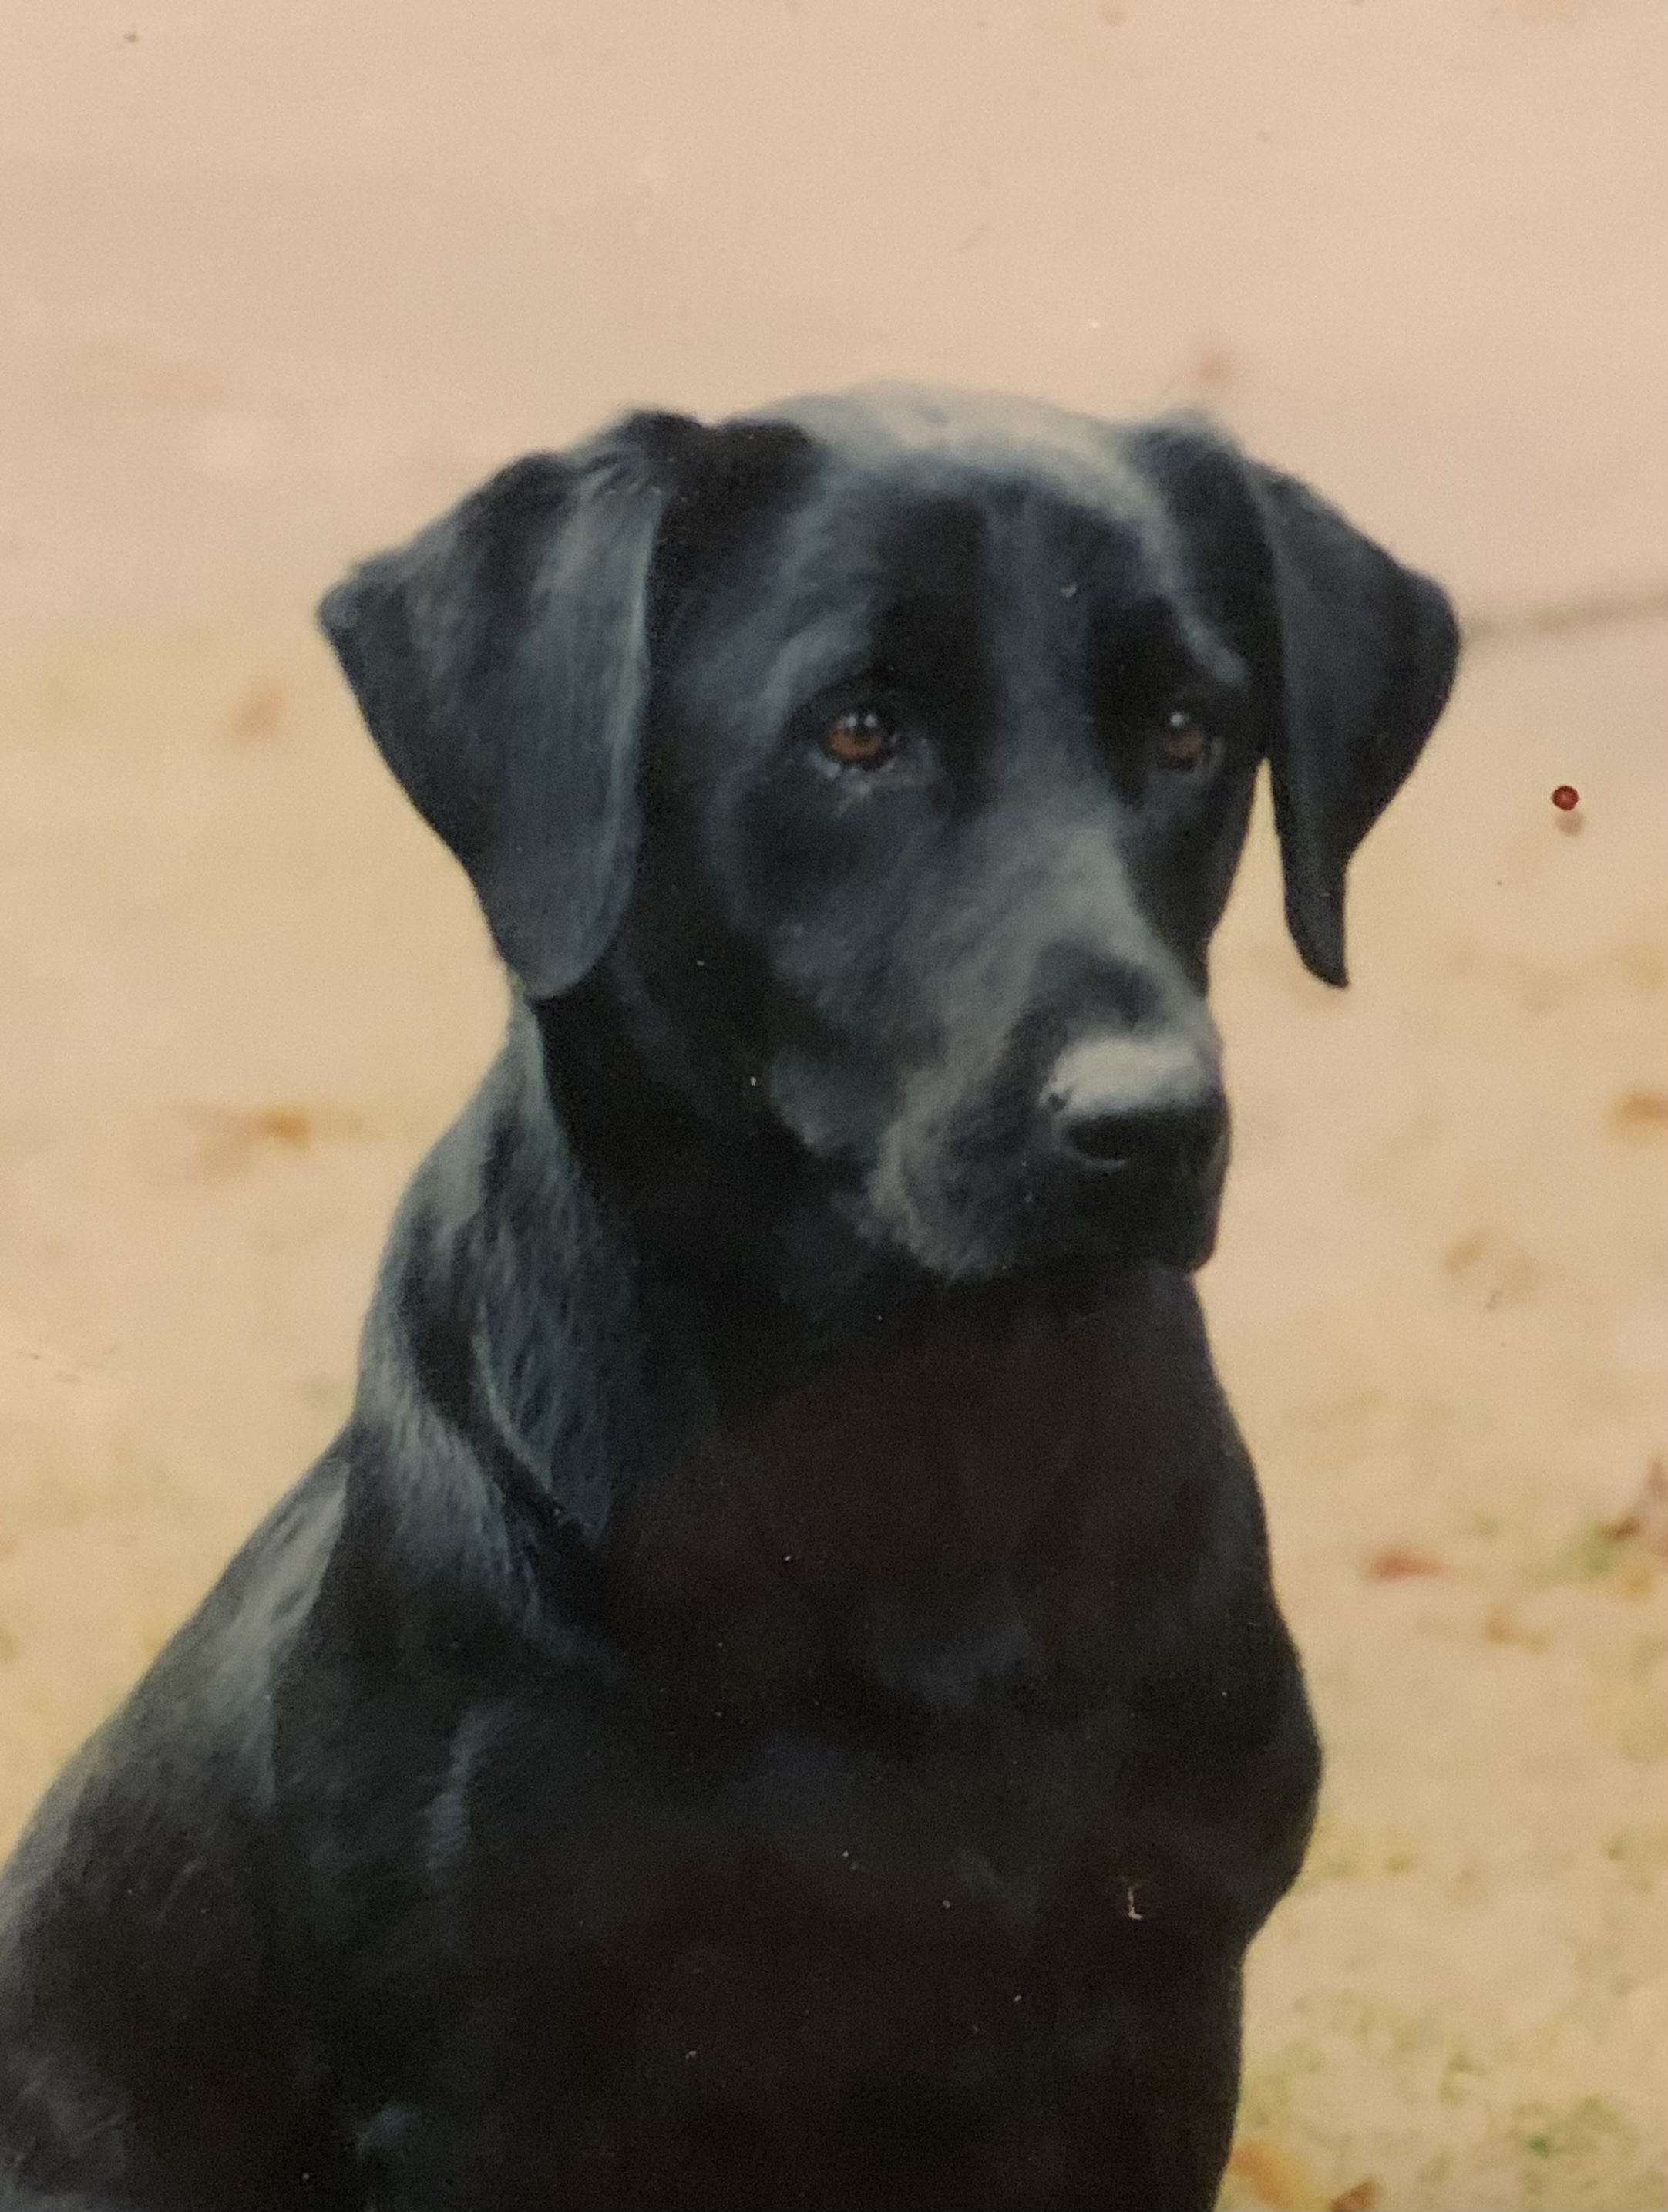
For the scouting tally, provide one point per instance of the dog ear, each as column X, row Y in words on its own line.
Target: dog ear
column 1368, row 653
column 501, row 662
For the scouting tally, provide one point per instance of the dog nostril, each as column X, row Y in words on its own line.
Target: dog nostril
column 1109, row 1140
column 1169, row 1140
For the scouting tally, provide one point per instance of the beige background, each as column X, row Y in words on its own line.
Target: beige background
column 279, row 277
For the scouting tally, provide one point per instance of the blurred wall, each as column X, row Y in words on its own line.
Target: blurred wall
column 279, row 274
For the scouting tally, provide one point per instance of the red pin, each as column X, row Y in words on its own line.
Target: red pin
column 1565, row 798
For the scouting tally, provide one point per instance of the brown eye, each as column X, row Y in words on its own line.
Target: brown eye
column 864, row 738
column 1182, row 743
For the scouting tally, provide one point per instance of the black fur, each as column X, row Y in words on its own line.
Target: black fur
column 775, row 1698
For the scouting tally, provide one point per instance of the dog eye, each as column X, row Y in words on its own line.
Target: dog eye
column 863, row 737
column 1181, row 742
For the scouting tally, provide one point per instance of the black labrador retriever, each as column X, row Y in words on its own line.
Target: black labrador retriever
column 775, row 1698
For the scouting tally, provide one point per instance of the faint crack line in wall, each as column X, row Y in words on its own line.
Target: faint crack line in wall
column 1621, row 602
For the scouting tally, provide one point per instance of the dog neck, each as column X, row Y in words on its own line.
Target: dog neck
column 928, row 1510
column 867, row 1526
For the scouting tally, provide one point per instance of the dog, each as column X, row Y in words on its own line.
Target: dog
column 775, row 1698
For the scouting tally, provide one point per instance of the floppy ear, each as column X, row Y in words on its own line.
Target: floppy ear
column 500, row 661
column 1367, row 652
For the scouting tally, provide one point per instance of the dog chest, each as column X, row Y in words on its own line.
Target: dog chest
column 628, row 1930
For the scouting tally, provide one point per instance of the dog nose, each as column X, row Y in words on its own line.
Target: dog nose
column 1163, row 1143
column 1147, row 1108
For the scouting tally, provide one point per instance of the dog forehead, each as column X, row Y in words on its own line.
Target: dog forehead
column 927, row 432
column 910, row 490
column 964, row 525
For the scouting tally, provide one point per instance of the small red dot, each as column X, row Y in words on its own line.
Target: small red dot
column 1566, row 797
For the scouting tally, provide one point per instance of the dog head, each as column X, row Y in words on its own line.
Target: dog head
column 888, row 757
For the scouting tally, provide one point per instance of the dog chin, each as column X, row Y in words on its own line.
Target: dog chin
column 1076, row 1262
column 1177, row 1239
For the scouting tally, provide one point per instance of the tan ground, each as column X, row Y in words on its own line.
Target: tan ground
column 276, row 280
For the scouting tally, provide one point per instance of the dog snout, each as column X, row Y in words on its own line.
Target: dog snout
column 1147, row 1108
